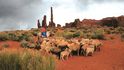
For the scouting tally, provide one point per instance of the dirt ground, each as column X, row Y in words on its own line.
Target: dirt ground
column 12, row 44
column 111, row 57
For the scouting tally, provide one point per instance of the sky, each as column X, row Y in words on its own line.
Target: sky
column 23, row 14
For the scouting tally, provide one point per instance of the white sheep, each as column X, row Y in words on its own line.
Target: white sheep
column 89, row 50
column 74, row 47
column 65, row 54
column 96, row 44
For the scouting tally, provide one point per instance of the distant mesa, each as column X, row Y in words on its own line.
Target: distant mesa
column 109, row 21
column 86, row 22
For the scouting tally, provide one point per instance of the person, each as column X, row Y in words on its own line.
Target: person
column 43, row 32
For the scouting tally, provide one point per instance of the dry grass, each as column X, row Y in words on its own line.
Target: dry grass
column 25, row 60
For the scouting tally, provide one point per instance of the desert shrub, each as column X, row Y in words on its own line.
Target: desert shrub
column 35, row 32
column 13, row 37
column 120, row 29
column 24, row 37
column 77, row 34
column 98, row 34
column 30, row 39
column 5, row 45
column 3, row 37
column 25, row 60
column 68, row 35
column 24, row 44
column 32, row 45
column 87, row 35
column 59, row 34
column 107, row 31
column 72, row 30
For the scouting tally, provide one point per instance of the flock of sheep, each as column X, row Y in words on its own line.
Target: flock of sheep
column 63, row 48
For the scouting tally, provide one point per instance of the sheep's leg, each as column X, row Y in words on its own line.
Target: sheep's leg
column 78, row 52
column 82, row 52
column 62, row 58
column 86, row 53
column 70, row 54
column 66, row 57
column 98, row 48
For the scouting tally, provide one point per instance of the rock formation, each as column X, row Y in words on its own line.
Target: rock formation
column 109, row 21
column 77, row 23
column 121, row 20
column 58, row 25
column 38, row 24
column 51, row 23
column 44, row 24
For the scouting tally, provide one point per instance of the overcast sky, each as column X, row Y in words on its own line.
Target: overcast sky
column 23, row 14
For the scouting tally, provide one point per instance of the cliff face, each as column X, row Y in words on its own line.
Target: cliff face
column 121, row 20
column 109, row 21
column 85, row 22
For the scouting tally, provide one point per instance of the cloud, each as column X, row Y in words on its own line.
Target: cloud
column 15, row 11
column 23, row 14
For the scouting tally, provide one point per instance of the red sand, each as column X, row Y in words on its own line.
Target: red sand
column 12, row 44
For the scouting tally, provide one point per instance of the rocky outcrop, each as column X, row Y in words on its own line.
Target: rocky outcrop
column 77, row 23
column 88, row 22
column 121, row 20
column 51, row 23
column 109, row 21
column 38, row 24
column 58, row 25
column 44, row 24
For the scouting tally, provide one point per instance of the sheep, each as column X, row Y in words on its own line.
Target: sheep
column 96, row 44
column 85, row 41
column 90, row 50
column 48, row 33
column 74, row 47
column 83, row 48
column 39, row 34
column 65, row 54
column 62, row 44
column 56, row 51
column 47, row 46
